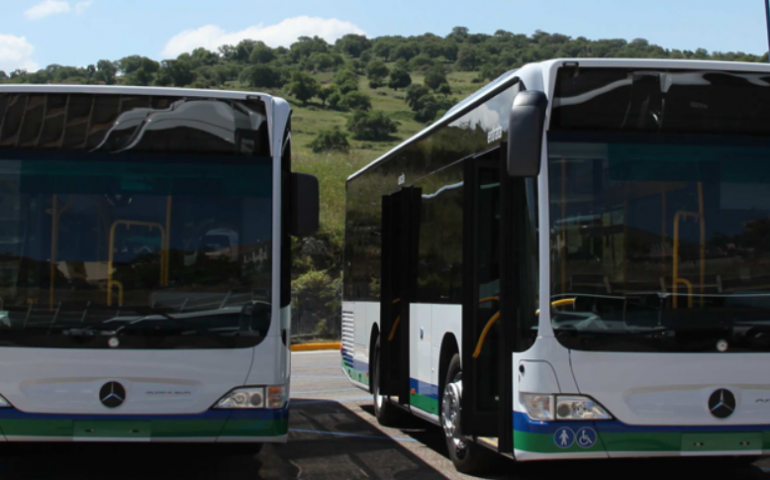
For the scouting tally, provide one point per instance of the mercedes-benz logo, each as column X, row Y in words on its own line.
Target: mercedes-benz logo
column 722, row 403
column 112, row 395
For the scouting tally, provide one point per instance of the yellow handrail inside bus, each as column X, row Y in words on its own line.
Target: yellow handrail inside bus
column 699, row 217
column 480, row 345
column 484, row 333
column 56, row 215
column 130, row 223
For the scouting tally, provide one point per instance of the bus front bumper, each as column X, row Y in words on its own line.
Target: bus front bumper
column 232, row 426
column 614, row 439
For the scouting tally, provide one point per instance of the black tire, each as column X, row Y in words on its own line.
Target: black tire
column 469, row 457
column 387, row 414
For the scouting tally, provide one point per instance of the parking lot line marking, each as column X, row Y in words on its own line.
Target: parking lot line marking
column 353, row 435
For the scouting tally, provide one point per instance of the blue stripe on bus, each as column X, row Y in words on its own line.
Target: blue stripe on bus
column 233, row 414
column 522, row 423
column 423, row 388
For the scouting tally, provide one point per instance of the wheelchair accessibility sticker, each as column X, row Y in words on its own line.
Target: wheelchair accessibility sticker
column 564, row 437
column 586, row 437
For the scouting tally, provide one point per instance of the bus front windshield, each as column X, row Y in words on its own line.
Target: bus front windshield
column 659, row 187
column 166, row 252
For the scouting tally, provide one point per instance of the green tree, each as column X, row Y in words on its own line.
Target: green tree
column 421, row 62
column 302, row 86
column 138, row 70
column 353, row 45
column 435, row 77
column 414, row 93
column 261, row 53
column 346, row 81
column 335, row 99
column 106, row 72
column 263, row 76
column 469, row 58
column 323, row 61
column 201, row 57
column 175, row 72
column 306, row 46
column 371, row 125
column 355, row 100
column 3, row 75
column 459, row 34
column 325, row 92
column 399, row 78
column 405, row 51
column 334, row 139
column 377, row 72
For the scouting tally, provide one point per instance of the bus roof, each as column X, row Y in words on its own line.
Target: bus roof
column 125, row 90
column 508, row 78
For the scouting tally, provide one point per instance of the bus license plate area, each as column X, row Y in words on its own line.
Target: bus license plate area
column 122, row 431
column 694, row 444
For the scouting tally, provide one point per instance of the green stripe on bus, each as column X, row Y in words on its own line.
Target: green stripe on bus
column 649, row 442
column 356, row 375
column 424, row 403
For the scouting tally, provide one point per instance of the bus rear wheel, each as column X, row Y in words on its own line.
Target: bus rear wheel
column 467, row 456
column 386, row 413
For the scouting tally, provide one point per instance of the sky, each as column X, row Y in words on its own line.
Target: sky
column 36, row 33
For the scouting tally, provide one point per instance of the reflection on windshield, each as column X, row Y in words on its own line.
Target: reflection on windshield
column 93, row 246
column 660, row 246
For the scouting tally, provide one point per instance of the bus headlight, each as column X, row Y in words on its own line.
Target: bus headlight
column 580, row 408
column 543, row 407
column 253, row 397
column 539, row 407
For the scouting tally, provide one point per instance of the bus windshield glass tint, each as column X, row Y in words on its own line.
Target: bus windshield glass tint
column 159, row 252
column 659, row 186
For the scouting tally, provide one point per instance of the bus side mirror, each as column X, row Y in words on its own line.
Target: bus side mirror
column 305, row 205
column 525, row 133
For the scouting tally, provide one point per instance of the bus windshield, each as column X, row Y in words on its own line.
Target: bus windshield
column 143, row 251
column 660, row 211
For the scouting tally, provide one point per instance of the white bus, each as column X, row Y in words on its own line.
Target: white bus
column 144, row 264
column 631, row 199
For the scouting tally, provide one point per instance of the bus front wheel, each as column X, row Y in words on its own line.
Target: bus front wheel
column 467, row 456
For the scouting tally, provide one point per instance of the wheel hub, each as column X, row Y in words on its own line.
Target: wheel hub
column 450, row 412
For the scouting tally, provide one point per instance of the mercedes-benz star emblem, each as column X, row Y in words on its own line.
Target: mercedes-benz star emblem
column 722, row 403
column 112, row 395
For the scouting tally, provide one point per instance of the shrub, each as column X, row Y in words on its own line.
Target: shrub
column 376, row 72
column 399, row 78
column 355, row 101
column 327, row 140
column 371, row 125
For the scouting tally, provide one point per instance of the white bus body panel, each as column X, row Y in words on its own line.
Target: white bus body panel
column 60, row 381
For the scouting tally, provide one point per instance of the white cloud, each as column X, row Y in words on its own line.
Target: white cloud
column 47, row 8
column 16, row 52
column 282, row 34
column 81, row 7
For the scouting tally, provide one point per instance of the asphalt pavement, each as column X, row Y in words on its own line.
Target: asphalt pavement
column 333, row 435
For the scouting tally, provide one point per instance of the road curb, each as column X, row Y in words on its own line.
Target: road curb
column 310, row 347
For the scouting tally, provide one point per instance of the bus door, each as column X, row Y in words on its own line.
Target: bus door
column 400, row 221
column 487, row 330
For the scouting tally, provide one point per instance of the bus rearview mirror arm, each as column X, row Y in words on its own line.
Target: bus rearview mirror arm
column 305, row 205
column 525, row 133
